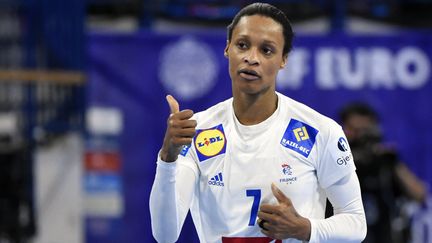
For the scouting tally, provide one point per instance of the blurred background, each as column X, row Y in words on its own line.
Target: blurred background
column 83, row 111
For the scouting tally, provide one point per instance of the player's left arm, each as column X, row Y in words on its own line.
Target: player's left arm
column 336, row 175
column 282, row 221
column 348, row 224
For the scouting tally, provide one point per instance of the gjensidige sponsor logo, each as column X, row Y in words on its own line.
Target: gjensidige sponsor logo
column 344, row 160
column 342, row 144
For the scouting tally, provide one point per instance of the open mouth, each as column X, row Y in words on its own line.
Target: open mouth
column 249, row 74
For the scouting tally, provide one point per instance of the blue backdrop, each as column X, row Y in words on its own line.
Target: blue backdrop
column 134, row 72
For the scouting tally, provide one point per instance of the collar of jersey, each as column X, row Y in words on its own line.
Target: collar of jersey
column 252, row 131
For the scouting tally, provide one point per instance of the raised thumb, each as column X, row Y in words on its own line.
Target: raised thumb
column 173, row 104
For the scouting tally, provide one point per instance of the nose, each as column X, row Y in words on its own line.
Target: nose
column 251, row 57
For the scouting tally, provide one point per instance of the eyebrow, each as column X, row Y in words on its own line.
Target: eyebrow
column 270, row 42
column 265, row 41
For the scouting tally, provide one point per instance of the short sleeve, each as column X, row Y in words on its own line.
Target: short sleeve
column 335, row 161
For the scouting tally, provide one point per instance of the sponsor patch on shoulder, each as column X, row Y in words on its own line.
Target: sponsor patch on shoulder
column 210, row 142
column 299, row 137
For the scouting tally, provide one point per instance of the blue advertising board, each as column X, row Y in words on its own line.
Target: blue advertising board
column 134, row 73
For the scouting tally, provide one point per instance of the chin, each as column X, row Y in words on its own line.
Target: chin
column 250, row 87
column 247, row 88
column 253, row 89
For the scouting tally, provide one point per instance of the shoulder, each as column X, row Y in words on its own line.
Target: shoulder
column 305, row 114
column 216, row 114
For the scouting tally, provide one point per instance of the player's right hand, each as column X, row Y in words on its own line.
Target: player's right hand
column 180, row 131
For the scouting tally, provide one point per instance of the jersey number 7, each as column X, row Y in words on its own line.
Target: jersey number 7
column 256, row 194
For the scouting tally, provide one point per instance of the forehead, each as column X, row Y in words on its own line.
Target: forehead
column 259, row 26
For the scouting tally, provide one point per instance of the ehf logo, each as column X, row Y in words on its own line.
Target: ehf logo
column 188, row 68
column 210, row 142
column 286, row 169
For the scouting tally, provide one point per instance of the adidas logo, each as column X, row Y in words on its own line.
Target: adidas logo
column 216, row 180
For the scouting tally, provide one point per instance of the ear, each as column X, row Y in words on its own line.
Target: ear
column 226, row 49
column 284, row 61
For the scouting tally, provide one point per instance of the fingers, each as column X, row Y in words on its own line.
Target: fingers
column 180, row 132
column 185, row 132
column 175, row 109
column 178, row 141
column 183, row 115
column 281, row 221
column 173, row 104
column 268, row 229
column 270, row 209
column 181, row 129
column 260, row 223
column 280, row 196
column 180, row 125
column 273, row 225
column 268, row 217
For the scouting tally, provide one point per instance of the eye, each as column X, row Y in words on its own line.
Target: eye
column 267, row 50
column 242, row 45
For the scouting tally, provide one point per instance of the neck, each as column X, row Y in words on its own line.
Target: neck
column 255, row 108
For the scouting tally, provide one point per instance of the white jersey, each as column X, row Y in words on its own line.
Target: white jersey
column 299, row 150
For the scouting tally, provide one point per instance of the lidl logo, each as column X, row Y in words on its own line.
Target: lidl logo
column 299, row 137
column 210, row 142
column 301, row 134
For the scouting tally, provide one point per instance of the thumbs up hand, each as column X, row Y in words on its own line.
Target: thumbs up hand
column 180, row 131
column 282, row 221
